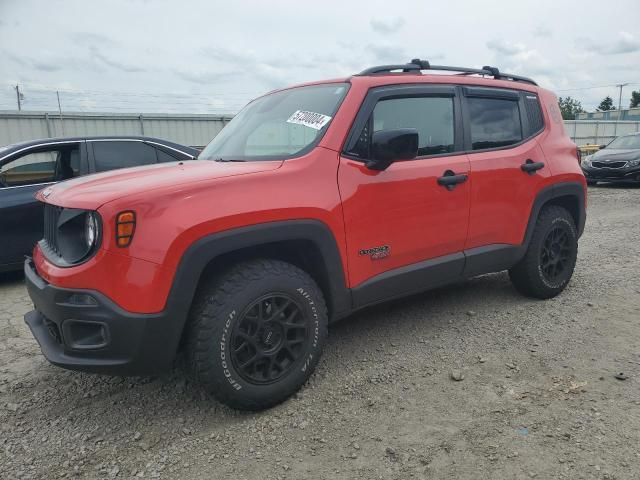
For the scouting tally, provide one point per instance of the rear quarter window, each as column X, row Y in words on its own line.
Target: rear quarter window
column 534, row 114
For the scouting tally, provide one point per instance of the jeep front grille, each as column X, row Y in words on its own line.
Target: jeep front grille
column 51, row 216
column 608, row 164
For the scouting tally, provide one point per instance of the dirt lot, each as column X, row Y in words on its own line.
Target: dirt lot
column 539, row 398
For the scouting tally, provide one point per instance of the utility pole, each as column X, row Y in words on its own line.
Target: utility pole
column 18, row 97
column 620, row 86
column 615, row 127
column 60, row 111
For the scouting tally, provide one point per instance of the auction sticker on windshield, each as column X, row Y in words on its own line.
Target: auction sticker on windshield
column 309, row 119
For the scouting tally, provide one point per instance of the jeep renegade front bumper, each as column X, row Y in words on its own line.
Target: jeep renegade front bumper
column 84, row 330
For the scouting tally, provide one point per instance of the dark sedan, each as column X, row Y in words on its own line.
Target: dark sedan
column 617, row 162
column 28, row 167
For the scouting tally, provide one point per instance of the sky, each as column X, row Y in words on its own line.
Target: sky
column 208, row 56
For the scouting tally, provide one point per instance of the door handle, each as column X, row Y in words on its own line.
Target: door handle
column 450, row 179
column 531, row 167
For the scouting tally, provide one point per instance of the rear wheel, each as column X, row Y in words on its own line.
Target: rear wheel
column 548, row 265
column 257, row 333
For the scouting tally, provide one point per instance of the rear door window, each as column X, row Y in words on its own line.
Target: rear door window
column 110, row 155
column 494, row 122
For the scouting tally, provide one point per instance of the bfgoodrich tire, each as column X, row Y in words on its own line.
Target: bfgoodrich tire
column 548, row 265
column 256, row 334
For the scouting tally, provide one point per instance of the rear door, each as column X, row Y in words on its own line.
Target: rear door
column 21, row 176
column 508, row 168
column 398, row 218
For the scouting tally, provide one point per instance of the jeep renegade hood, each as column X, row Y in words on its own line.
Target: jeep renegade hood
column 93, row 191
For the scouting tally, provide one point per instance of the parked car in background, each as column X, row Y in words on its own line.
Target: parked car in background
column 617, row 162
column 28, row 167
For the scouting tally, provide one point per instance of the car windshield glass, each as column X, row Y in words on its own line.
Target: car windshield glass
column 279, row 125
column 628, row 142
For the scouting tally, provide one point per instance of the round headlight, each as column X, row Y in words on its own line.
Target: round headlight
column 90, row 229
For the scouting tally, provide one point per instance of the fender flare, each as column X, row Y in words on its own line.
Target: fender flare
column 208, row 248
column 563, row 189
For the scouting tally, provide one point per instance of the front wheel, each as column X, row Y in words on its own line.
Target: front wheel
column 548, row 264
column 257, row 333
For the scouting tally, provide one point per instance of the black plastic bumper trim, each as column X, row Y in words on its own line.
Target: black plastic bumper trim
column 135, row 344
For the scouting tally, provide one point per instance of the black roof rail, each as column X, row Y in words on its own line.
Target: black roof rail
column 417, row 65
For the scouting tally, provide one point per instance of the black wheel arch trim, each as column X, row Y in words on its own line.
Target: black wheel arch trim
column 551, row 192
column 207, row 249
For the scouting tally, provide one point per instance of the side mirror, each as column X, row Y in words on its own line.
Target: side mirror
column 388, row 146
column 602, row 147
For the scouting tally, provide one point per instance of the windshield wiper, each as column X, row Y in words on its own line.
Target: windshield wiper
column 221, row 159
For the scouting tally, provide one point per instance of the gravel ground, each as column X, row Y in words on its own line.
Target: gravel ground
column 536, row 395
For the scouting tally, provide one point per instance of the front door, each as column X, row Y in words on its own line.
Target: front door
column 405, row 231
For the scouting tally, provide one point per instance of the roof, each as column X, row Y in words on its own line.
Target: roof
column 8, row 149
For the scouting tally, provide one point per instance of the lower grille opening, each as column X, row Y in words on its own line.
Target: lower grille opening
column 53, row 330
column 85, row 335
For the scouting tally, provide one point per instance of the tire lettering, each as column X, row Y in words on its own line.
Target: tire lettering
column 223, row 356
column 316, row 331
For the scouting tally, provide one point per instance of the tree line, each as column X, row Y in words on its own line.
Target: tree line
column 570, row 107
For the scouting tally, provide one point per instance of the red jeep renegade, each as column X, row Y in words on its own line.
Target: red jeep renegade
column 314, row 201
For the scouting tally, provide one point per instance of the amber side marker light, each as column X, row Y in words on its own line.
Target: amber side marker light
column 125, row 228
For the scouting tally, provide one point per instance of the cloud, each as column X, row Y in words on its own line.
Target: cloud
column 90, row 38
column 37, row 64
column 388, row 53
column 387, row 26
column 226, row 63
column 122, row 66
column 517, row 58
column 45, row 66
column 206, row 77
column 625, row 43
column 542, row 31
column 506, row 47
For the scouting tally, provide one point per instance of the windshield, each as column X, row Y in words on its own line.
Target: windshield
column 628, row 142
column 277, row 126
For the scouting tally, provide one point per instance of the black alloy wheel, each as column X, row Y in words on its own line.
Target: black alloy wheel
column 555, row 254
column 269, row 339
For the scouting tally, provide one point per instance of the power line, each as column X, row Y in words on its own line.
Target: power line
column 135, row 94
column 592, row 87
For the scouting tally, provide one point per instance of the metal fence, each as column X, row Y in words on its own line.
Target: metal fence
column 198, row 130
column 583, row 132
column 193, row 130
